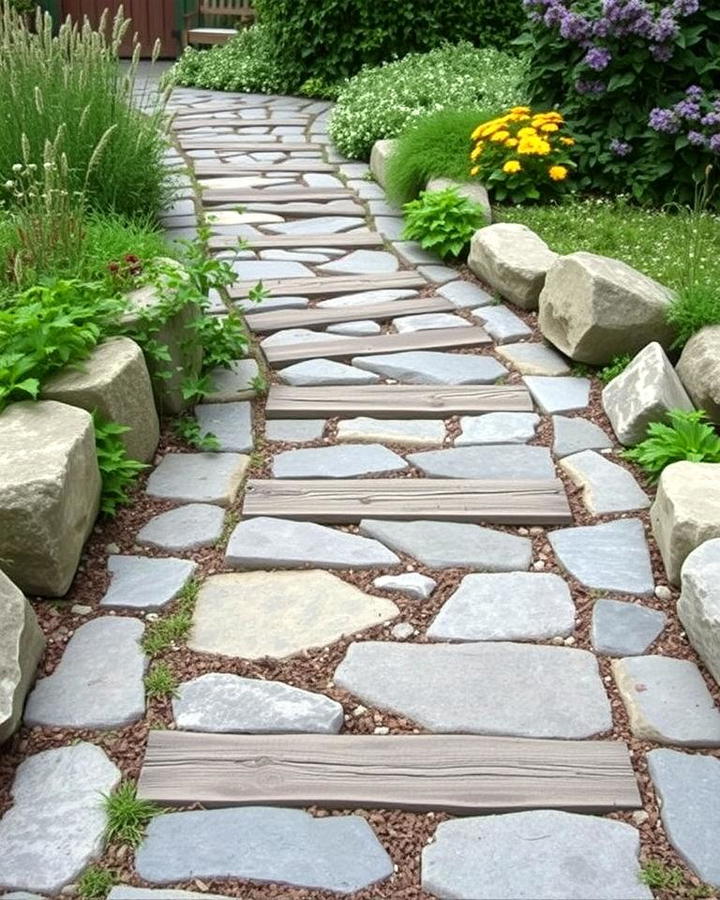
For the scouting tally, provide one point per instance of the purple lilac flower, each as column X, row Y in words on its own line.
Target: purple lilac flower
column 697, row 139
column 620, row 148
column 695, row 92
column 665, row 28
column 663, row 120
column 601, row 28
column 574, row 27
column 589, row 87
column 715, row 143
column 687, row 109
column 661, row 52
column 711, row 119
column 685, row 7
column 597, row 58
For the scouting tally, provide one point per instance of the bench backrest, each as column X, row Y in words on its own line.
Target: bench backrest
column 238, row 9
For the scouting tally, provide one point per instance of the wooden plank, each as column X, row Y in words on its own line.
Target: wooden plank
column 455, row 773
column 185, row 123
column 303, row 210
column 345, row 348
column 205, row 169
column 344, row 501
column 395, row 401
column 332, row 285
column 240, row 145
column 278, row 241
column 273, row 195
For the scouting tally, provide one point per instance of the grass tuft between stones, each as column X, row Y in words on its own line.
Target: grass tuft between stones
column 127, row 815
column 95, row 883
column 161, row 682
column 660, row 877
column 172, row 628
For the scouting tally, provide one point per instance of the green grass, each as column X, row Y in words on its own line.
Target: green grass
column 174, row 627
column 160, row 681
column 127, row 816
column 95, row 883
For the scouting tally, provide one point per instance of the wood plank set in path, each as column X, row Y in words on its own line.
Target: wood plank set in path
column 454, row 773
column 296, row 195
column 218, row 170
column 330, row 286
column 288, row 241
column 244, row 145
column 185, row 123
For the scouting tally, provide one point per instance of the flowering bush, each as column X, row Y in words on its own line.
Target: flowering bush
column 522, row 155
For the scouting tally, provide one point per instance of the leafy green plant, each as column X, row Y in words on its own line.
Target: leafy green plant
column 127, row 816
column 614, row 368
column 661, row 877
column 443, row 221
column 188, row 428
column 117, row 470
column 688, row 436
column 160, row 681
column 95, row 883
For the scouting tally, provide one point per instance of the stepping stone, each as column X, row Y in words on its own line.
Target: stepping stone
column 235, row 383
column 390, row 227
column 361, row 328
column 296, row 336
column 281, row 544
column 57, row 823
column 265, row 844
column 319, row 372
column 613, row 556
column 363, row 262
column 343, row 461
column 412, row 584
column 517, row 606
column 577, row 434
column 543, row 854
column 259, row 270
column 450, row 545
column 231, row 423
column 319, row 180
column 366, row 298
column 294, row 430
column 688, row 788
column 405, row 432
column 198, row 477
column 428, row 321
column 558, row 395
column 437, row 274
column 143, row 582
column 433, row 367
column 228, row 704
column 497, row 428
column 412, row 254
column 185, row 528
column 502, row 324
column 624, row 629
column 667, row 701
column 533, row 359
column 316, row 225
column 465, row 293
column 98, row 682
column 607, row 486
column 280, row 614
column 506, row 462
column 518, row 690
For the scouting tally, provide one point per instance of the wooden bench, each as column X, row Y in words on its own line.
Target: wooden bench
column 240, row 11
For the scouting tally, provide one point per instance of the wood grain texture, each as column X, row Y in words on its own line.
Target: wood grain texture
column 300, row 210
column 240, row 145
column 186, row 122
column 331, row 286
column 460, row 774
column 447, row 500
column 230, row 170
column 288, row 241
column 274, row 195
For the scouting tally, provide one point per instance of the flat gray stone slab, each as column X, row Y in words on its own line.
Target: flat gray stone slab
column 198, row 477
column 144, row 582
column 228, row 704
column 558, row 395
column 361, row 328
column 412, row 584
column 390, row 227
column 428, row 322
column 534, row 359
column 514, row 606
column 297, row 336
column 577, row 434
column 282, row 544
column 607, row 486
column 319, row 372
column 433, row 367
column 497, row 428
column 259, row 270
column 231, row 423
column 294, row 431
column 363, row 262
column 465, row 293
column 502, row 324
column 449, row 545
column 688, row 788
column 624, row 629
column 541, row 854
column 667, row 701
column 413, row 254
column 367, row 298
column 305, row 256
column 316, row 225
column 235, row 383
column 56, row 826
column 342, row 461
column 258, row 843
column 519, row 690
column 406, row 432
column 184, row 528
column 505, row 462
column 438, row 274
column 613, row 556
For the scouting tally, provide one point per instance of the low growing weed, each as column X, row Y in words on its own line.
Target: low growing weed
column 687, row 436
column 443, row 221
column 174, row 627
column 614, row 368
column 160, row 681
column 188, row 428
column 95, row 883
column 127, row 816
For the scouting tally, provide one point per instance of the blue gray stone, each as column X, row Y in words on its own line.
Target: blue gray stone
column 465, row 293
column 438, row 274
column 359, row 328
column 183, row 528
column 235, row 383
column 624, row 629
column 126, row 892
column 412, row 253
column 198, row 477
column 144, row 582
column 319, row 372
column 577, row 434
column 506, row 462
column 428, row 322
column 412, row 584
column 433, row 367
column 341, row 461
column 558, row 395
column 316, row 225
column 231, row 423
column 606, row 486
column 294, row 431
column 362, row 262
column 367, row 298
column 297, row 336
column 533, row 359
column 699, row 603
column 502, row 324
column 255, row 270
column 497, row 428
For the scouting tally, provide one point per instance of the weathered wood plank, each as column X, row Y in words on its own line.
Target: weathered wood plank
column 274, row 195
column 332, row 285
column 301, row 210
column 185, row 123
column 448, row 500
column 205, row 169
column 244, row 145
column 395, row 401
column 288, row 241
column 462, row 774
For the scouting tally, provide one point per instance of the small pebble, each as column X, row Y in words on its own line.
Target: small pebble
column 80, row 610
column 536, row 529
column 111, row 548
column 360, row 710
column 523, row 530
column 639, row 817
column 152, row 617
column 557, row 640
column 569, row 641
column 402, row 630
column 381, row 729
column 539, row 564
column 662, row 592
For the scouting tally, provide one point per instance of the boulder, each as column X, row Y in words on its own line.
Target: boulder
column 686, row 512
column 381, row 153
column 643, row 393
column 115, row 382
column 21, row 646
column 593, row 308
column 699, row 603
column 49, row 493
column 699, row 370
column 473, row 190
column 513, row 260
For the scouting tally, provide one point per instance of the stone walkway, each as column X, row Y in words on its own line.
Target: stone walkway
column 421, row 625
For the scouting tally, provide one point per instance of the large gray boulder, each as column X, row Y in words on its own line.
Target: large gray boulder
column 473, row 190
column 49, row 493
column 114, row 380
column 21, row 646
column 381, row 153
column 699, row 603
column 513, row 260
column 699, row 370
column 593, row 308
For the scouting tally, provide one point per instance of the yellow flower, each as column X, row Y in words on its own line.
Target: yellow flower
column 527, row 132
column 520, row 110
column 500, row 136
column 569, row 142
column 533, row 146
column 549, row 127
column 477, row 151
column 558, row 173
column 511, row 142
column 474, row 170
column 512, row 166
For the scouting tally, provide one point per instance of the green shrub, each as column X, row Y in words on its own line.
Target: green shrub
column 383, row 102
column 443, row 221
column 688, row 436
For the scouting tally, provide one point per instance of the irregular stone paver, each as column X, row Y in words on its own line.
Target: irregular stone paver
column 577, row 434
column 558, row 395
column 363, row 262
column 283, row 544
column 499, row 461
column 413, row 584
column 98, row 682
column 412, row 253
column 406, row 432
column 607, row 486
column 56, row 826
column 428, row 322
column 231, row 423
column 235, row 383
column 465, row 293
column 270, row 303
column 307, row 256
column 280, row 846
column 280, row 614
column 613, row 556
column 521, row 690
column 699, row 603
column 688, row 788
column 447, row 545
column 294, row 430
column 515, row 606
column 543, row 854
column 143, row 582
column 319, row 372
column 502, row 324
column 361, row 328
column 185, row 528
column 367, row 298
column 342, row 461
column 624, row 629
column 198, row 477
column 222, row 704
column 433, row 367
column 534, row 359
column 391, row 228
column 437, row 274
column 497, row 428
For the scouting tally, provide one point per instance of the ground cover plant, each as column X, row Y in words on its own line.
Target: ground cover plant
column 685, row 436
column 443, row 221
